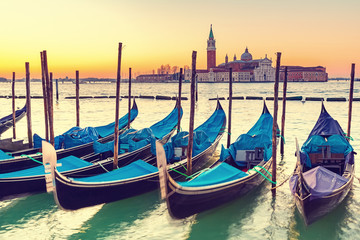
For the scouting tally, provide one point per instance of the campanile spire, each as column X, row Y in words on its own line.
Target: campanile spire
column 211, row 50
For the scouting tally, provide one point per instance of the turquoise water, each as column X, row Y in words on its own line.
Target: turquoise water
column 255, row 216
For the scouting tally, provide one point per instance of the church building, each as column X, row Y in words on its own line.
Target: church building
column 246, row 69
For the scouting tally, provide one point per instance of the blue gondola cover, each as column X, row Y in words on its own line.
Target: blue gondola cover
column 220, row 174
column 201, row 141
column 322, row 182
column 135, row 169
column 260, row 135
column 106, row 130
column 67, row 163
column 76, row 136
column 337, row 143
column 4, row 155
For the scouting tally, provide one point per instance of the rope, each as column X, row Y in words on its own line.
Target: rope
column 8, row 153
column 282, row 183
column 39, row 153
column 24, row 155
column 181, row 165
column 262, row 173
column 357, row 178
column 103, row 167
column 279, row 135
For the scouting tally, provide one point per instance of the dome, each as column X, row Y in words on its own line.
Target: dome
column 246, row 56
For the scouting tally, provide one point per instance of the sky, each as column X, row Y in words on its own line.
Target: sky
column 84, row 34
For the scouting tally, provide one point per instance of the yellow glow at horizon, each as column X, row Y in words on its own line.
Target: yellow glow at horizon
column 84, row 34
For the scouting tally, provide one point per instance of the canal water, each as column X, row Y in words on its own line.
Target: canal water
column 255, row 216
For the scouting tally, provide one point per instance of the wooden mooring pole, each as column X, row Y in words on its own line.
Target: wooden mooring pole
column 179, row 99
column 13, row 105
column 230, row 107
column 46, row 112
column 57, row 90
column 282, row 142
column 192, row 113
column 28, row 104
column 351, row 93
column 196, row 89
column 51, row 108
column 129, row 105
column 274, row 128
column 116, row 131
column 49, row 99
column 77, row 100
column 51, row 89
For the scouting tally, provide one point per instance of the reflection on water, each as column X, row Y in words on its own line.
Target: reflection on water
column 255, row 216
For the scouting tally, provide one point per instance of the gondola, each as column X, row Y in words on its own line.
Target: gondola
column 29, row 158
column 7, row 122
column 239, row 169
column 133, row 145
column 141, row 175
column 324, row 170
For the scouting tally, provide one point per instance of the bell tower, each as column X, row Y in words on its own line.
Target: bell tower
column 211, row 50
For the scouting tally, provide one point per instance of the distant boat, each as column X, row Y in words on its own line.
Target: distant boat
column 324, row 170
column 7, row 122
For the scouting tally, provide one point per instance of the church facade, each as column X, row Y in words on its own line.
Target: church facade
column 246, row 69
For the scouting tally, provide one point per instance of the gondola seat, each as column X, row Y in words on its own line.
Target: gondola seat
column 332, row 161
column 249, row 158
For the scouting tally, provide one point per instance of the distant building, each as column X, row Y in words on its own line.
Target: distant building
column 211, row 51
column 244, row 70
column 304, row 74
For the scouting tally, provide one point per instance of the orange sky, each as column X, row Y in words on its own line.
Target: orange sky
column 84, row 34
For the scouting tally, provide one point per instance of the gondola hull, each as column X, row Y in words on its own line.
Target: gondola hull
column 183, row 202
column 7, row 122
column 23, row 186
column 24, row 162
column 78, row 193
column 21, row 163
column 72, row 195
column 324, row 170
column 313, row 210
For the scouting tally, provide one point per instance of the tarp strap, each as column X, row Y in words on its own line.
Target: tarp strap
column 223, row 131
column 197, row 173
column 263, row 169
column 172, row 169
column 39, row 153
column 349, row 138
column 175, row 128
column 279, row 135
column 262, row 173
column 182, row 165
column 24, row 155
